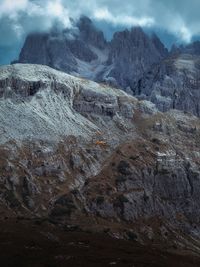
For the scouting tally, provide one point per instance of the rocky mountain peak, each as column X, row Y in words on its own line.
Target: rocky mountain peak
column 85, row 52
column 88, row 54
column 138, row 36
column 132, row 53
column 90, row 34
column 132, row 38
column 28, row 52
column 159, row 45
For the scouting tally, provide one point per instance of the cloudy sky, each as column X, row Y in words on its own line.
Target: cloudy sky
column 178, row 19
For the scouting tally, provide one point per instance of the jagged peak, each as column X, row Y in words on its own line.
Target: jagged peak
column 158, row 44
column 89, row 32
column 156, row 39
column 129, row 32
column 137, row 30
column 85, row 20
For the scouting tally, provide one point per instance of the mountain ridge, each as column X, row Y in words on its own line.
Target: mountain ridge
column 132, row 61
column 71, row 51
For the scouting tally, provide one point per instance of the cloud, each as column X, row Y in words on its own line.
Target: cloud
column 104, row 14
column 9, row 7
column 57, row 11
column 20, row 17
column 24, row 16
column 180, row 17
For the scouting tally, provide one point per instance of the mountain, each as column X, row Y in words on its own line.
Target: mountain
column 83, row 51
column 77, row 51
column 175, row 82
column 132, row 61
column 132, row 53
column 86, row 156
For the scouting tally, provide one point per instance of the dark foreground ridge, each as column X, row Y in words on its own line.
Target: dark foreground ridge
column 27, row 243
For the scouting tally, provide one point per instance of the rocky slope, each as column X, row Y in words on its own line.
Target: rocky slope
column 85, row 155
column 174, row 83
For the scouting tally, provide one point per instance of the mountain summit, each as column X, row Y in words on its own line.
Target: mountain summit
column 83, row 51
column 132, row 61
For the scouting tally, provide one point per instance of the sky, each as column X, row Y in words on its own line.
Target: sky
column 175, row 20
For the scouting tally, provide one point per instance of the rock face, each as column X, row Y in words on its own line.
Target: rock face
column 132, row 54
column 89, row 156
column 89, row 34
column 174, row 84
column 45, row 96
